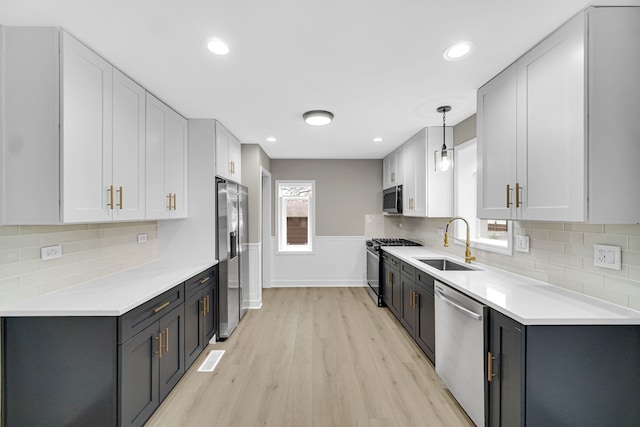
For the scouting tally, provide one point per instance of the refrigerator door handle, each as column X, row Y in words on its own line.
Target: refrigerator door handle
column 233, row 244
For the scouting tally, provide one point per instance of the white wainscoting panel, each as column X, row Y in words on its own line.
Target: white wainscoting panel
column 336, row 261
column 255, row 278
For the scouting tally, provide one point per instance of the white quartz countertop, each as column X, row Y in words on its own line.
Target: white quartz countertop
column 525, row 300
column 112, row 295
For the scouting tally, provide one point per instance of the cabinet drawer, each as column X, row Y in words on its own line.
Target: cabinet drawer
column 408, row 270
column 197, row 282
column 424, row 280
column 142, row 316
column 390, row 260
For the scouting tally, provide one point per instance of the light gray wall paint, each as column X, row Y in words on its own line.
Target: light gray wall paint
column 253, row 157
column 465, row 130
column 346, row 190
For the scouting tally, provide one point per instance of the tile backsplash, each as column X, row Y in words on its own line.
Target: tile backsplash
column 560, row 254
column 89, row 251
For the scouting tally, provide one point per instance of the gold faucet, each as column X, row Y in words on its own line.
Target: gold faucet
column 467, row 253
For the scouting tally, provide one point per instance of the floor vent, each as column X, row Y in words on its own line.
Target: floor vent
column 211, row 361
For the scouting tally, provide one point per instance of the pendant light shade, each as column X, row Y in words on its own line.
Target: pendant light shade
column 318, row 117
column 444, row 157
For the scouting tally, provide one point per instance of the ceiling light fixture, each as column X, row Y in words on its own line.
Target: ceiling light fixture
column 444, row 157
column 217, row 46
column 378, row 139
column 318, row 117
column 271, row 139
column 457, row 51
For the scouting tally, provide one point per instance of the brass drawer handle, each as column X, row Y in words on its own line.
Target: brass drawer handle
column 169, row 201
column 518, row 188
column 110, row 190
column 205, row 280
column 120, row 197
column 160, row 307
column 166, row 340
column 490, row 373
column 508, row 196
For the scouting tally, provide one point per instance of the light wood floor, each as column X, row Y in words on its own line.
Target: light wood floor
column 314, row 357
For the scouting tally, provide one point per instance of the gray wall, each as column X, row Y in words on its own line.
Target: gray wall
column 253, row 157
column 465, row 130
column 346, row 190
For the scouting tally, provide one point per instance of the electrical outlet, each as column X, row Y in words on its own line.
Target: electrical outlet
column 607, row 257
column 522, row 244
column 440, row 231
column 50, row 252
column 142, row 238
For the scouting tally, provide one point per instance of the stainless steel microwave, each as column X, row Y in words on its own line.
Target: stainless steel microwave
column 392, row 200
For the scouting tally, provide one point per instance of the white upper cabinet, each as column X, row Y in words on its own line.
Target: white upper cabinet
column 128, row 148
column 228, row 154
column 426, row 192
column 557, row 130
column 392, row 165
column 166, row 156
column 74, row 141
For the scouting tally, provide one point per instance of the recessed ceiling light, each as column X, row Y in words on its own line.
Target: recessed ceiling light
column 318, row 117
column 271, row 139
column 457, row 51
column 378, row 139
column 217, row 46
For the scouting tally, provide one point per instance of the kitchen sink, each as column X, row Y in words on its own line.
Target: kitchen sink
column 446, row 265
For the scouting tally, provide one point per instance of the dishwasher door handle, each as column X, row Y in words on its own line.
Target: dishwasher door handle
column 458, row 307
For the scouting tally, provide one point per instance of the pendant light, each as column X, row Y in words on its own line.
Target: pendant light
column 444, row 157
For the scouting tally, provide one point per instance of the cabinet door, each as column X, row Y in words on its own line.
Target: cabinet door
column 425, row 333
column 139, row 391
column 506, row 389
column 172, row 360
column 409, row 188
column 210, row 315
column 385, row 285
column 157, row 196
column 128, row 148
column 496, row 115
column 86, row 134
column 408, row 309
column 223, row 166
column 235, row 158
column 193, row 325
column 551, row 130
column 396, row 292
column 177, row 165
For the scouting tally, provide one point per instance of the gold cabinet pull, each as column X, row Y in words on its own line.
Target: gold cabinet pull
column 508, row 196
column 159, row 352
column 120, row 197
column 160, row 307
column 393, row 177
column 205, row 280
column 110, row 190
column 518, row 188
column 166, row 340
column 415, row 302
column 490, row 373
column 169, row 201
column 175, row 206
column 207, row 304
column 203, row 312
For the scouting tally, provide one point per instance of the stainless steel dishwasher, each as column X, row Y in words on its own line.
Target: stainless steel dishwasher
column 460, row 348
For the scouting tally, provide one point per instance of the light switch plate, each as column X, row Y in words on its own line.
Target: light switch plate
column 142, row 238
column 522, row 244
column 607, row 257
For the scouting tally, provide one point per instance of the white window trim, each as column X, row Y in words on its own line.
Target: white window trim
column 311, row 222
column 504, row 247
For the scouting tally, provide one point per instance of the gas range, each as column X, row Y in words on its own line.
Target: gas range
column 375, row 243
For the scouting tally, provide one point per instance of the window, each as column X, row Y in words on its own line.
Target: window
column 295, row 216
column 489, row 235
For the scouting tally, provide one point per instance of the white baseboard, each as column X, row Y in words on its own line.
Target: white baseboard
column 317, row 284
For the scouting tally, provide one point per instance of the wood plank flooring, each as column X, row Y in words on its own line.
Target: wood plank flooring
column 314, row 357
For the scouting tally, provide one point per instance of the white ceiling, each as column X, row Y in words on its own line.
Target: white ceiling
column 376, row 64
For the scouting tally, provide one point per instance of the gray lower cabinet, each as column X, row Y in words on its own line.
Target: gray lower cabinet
column 391, row 291
column 418, row 311
column 199, row 309
column 563, row 375
column 99, row 371
column 152, row 364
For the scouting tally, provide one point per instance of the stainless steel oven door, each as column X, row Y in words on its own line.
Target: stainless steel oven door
column 373, row 275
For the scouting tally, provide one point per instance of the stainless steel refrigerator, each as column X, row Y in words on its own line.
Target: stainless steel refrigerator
column 232, row 235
